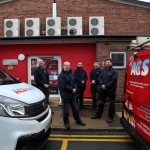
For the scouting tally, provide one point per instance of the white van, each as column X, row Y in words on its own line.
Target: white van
column 25, row 116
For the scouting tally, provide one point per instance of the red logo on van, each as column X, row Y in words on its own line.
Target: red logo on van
column 21, row 90
column 140, row 67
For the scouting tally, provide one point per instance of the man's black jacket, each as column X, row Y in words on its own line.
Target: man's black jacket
column 66, row 83
column 109, row 78
column 41, row 77
column 80, row 75
column 95, row 74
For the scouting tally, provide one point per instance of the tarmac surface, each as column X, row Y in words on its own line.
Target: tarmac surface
column 85, row 114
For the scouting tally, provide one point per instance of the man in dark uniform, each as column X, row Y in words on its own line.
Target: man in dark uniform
column 108, row 82
column 42, row 78
column 95, row 86
column 81, row 78
column 67, row 87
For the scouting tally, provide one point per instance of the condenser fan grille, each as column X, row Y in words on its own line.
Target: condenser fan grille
column 9, row 33
column 51, row 22
column 94, row 31
column 72, row 22
column 51, row 32
column 72, row 31
column 94, row 21
column 29, row 23
column 29, row 32
column 9, row 24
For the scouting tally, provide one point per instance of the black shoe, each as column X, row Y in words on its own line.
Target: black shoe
column 67, row 125
column 93, row 108
column 81, row 123
column 95, row 116
column 110, row 120
column 52, row 112
column 82, row 107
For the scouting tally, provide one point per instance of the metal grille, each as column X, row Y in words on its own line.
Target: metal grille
column 94, row 31
column 94, row 21
column 9, row 33
column 72, row 22
column 72, row 31
column 51, row 32
column 51, row 22
column 29, row 23
column 29, row 32
column 9, row 24
column 38, row 108
column 42, row 118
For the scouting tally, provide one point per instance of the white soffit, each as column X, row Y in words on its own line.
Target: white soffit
column 4, row 1
column 138, row 3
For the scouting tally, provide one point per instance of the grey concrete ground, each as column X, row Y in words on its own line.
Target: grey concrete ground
column 85, row 114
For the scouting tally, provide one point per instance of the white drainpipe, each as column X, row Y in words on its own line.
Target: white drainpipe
column 54, row 10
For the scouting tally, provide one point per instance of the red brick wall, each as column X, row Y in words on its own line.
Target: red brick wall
column 120, row 19
column 103, row 52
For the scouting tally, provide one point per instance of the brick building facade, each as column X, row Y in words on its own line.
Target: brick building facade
column 120, row 19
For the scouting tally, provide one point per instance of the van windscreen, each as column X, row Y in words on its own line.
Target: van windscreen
column 5, row 78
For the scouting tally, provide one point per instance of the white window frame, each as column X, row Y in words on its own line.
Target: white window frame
column 124, row 59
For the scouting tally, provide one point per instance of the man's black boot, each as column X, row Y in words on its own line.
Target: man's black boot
column 81, row 123
column 83, row 107
column 96, row 116
column 110, row 120
column 93, row 107
column 67, row 125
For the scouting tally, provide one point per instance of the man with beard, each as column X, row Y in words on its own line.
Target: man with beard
column 108, row 82
column 67, row 87
column 81, row 78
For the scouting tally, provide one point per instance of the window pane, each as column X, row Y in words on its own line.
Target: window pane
column 117, row 59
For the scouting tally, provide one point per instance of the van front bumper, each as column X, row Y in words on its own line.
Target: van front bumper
column 25, row 132
column 34, row 141
column 138, row 139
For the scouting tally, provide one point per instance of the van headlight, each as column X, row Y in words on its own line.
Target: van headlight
column 13, row 108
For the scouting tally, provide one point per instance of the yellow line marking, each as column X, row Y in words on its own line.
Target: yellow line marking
column 89, row 136
column 91, row 140
column 64, row 145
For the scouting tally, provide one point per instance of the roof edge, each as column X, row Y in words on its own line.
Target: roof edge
column 130, row 3
column 64, row 39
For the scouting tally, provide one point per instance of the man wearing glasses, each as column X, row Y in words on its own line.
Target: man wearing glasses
column 67, row 87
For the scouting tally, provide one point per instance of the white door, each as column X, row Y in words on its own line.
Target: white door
column 52, row 65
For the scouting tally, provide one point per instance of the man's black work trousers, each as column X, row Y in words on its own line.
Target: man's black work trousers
column 74, row 108
column 45, row 91
column 80, row 95
column 111, row 94
column 95, row 90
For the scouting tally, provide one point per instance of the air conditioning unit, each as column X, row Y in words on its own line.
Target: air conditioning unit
column 96, row 25
column 74, row 25
column 53, row 26
column 32, row 27
column 11, row 27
